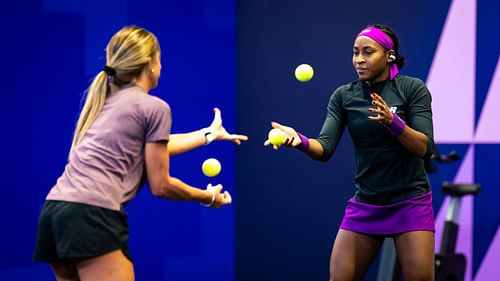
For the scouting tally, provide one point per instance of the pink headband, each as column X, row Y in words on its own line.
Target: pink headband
column 385, row 41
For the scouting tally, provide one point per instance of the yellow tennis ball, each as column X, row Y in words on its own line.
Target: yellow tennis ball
column 211, row 167
column 276, row 136
column 304, row 72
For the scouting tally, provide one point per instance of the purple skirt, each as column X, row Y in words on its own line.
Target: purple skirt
column 414, row 214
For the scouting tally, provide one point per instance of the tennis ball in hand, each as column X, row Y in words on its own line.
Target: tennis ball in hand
column 276, row 136
column 304, row 72
column 211, row 167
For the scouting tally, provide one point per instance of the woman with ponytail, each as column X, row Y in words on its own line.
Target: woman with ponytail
column 389, row 119
column 122, row 138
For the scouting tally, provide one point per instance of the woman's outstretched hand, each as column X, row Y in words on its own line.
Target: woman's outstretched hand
column 219, row 132
column 291, row 137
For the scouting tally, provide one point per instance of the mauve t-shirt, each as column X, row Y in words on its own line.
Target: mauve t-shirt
column 106, row 168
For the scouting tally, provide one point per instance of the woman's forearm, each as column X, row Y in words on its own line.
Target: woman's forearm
column 180, row 143
column 414, row 141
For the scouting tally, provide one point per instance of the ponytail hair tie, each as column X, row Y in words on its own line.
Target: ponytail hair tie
column 109, row 70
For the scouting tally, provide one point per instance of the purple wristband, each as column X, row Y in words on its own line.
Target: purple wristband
column 397, row 125
column 304, row 143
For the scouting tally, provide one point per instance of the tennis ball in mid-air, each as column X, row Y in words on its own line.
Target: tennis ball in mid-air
column 304, row 72
column 211, row 167
column 276, row 136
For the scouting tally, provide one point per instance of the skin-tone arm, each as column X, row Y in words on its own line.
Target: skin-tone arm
column 164, row 186
column 315, row 149
column 180, row 143
column 413, row 140
column 157, row 155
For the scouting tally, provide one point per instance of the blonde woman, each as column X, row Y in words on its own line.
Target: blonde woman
column 122, row 139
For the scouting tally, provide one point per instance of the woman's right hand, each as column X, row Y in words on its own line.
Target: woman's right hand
column 291, row 137
column 220, row 133
column 221, row 198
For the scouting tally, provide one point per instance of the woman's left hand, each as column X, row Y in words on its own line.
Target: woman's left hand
column 220, row 133
column 384, row 115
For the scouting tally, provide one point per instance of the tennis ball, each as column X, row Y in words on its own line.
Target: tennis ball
column 211, row 167
column 304, row 72
column 276, row 136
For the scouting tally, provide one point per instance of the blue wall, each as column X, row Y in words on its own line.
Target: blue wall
column 51, row 49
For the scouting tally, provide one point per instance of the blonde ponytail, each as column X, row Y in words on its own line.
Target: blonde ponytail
column 127, row 53
column 96, row 97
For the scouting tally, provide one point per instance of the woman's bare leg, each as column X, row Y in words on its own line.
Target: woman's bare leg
column 352, row 255
column 65, row 271
column 112, row 266
column 416, row 255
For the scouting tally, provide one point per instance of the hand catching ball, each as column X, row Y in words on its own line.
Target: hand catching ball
column 304, row 72
column 211, row 167
column 276, row 136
